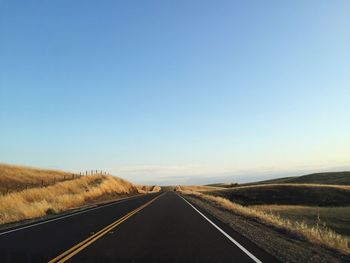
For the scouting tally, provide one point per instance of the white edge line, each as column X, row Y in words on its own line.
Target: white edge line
column 225, row 234
column 62, row 217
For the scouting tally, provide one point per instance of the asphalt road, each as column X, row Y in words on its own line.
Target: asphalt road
column 160, row 227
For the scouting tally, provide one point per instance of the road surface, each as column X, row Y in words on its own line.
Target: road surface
column 161, row 227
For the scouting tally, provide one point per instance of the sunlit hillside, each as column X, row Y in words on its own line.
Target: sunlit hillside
column 13, row 177
column 61, row 196
column 148, row 188
column 63, row 193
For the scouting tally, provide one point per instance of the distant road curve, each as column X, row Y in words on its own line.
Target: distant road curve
column 160, row 227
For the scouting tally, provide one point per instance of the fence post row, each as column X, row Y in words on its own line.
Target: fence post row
column 54, row 181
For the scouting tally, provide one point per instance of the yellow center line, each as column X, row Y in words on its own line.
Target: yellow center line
column 79, row 247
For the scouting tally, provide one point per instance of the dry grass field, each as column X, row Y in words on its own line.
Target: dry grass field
column 311, row 204
column 315, row 207
column 62, row 196
column 317, row 234
column 148, row 188
column 288, row 194
column 197, row 188
column 336, row 218
column 336, row 178
column 14, row 177
column 63, row 193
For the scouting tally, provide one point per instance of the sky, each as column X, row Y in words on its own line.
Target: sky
column 176, row 92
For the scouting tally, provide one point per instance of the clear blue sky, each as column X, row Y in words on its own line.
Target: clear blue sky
column 172, row 91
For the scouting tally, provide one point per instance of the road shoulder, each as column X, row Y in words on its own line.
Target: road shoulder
column 283, row 246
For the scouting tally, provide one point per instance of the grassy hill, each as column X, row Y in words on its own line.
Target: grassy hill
column 148, row 188
column 59, row 196
column 13, row 178
column 288, row 194
column 318, row 189
column 336, row 178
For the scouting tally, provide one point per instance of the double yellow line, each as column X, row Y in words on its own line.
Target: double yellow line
column 85, row 243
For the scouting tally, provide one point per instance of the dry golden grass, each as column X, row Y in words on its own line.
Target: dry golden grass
column 61, row 196
column 13, row 177
column 197, row 188
column 318, row 234
column 336, row 218
column 144, row 189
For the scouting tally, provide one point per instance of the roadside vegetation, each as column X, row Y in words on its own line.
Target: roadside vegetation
column 336, row 218
column 310, row 203
column 318, row 233
column 18, row 205
column 61, row 196
column 315, row 207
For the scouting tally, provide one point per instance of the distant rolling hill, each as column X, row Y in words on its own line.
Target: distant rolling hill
column 288, row 194
column 336, row 178
column 319, row 189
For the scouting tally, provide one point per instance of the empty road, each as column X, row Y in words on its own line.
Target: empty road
column 161, row 227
